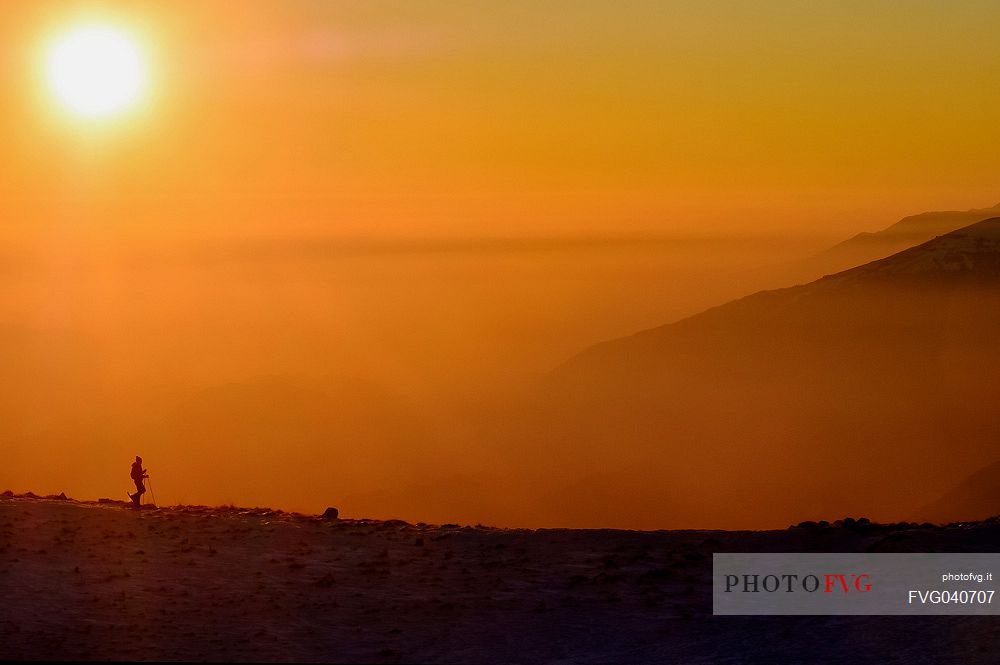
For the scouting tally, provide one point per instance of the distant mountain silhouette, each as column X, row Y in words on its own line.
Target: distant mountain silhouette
column 969, row 500
column 867, row 390
column 907, row 232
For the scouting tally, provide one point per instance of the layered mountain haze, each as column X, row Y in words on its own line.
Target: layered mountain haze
column 226, row 362
column 867, row 390
column 905, row 233
column 970, row 253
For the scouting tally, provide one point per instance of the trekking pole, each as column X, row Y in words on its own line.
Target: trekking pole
column 152, row 494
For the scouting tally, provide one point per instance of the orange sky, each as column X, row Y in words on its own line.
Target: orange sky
column 359, row 118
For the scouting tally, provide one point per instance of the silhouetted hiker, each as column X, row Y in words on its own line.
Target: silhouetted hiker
column 138, row 473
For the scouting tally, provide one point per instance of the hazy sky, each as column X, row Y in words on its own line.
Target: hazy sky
column 312, row 190
column 501, row 118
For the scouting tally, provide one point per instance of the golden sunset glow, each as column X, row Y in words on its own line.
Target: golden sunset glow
column 344, row 231
column 95, row 70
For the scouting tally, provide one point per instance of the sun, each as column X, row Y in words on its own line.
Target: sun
column 96, row 70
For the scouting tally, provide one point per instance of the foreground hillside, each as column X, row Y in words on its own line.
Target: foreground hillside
column 102, row 581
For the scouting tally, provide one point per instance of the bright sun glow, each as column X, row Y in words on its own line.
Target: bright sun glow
column 96, row 70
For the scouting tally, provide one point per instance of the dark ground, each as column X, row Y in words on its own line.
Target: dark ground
column 101, row 581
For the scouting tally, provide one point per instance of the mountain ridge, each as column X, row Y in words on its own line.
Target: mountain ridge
column 889, row 363
column 907, row 232
column 950, row 253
